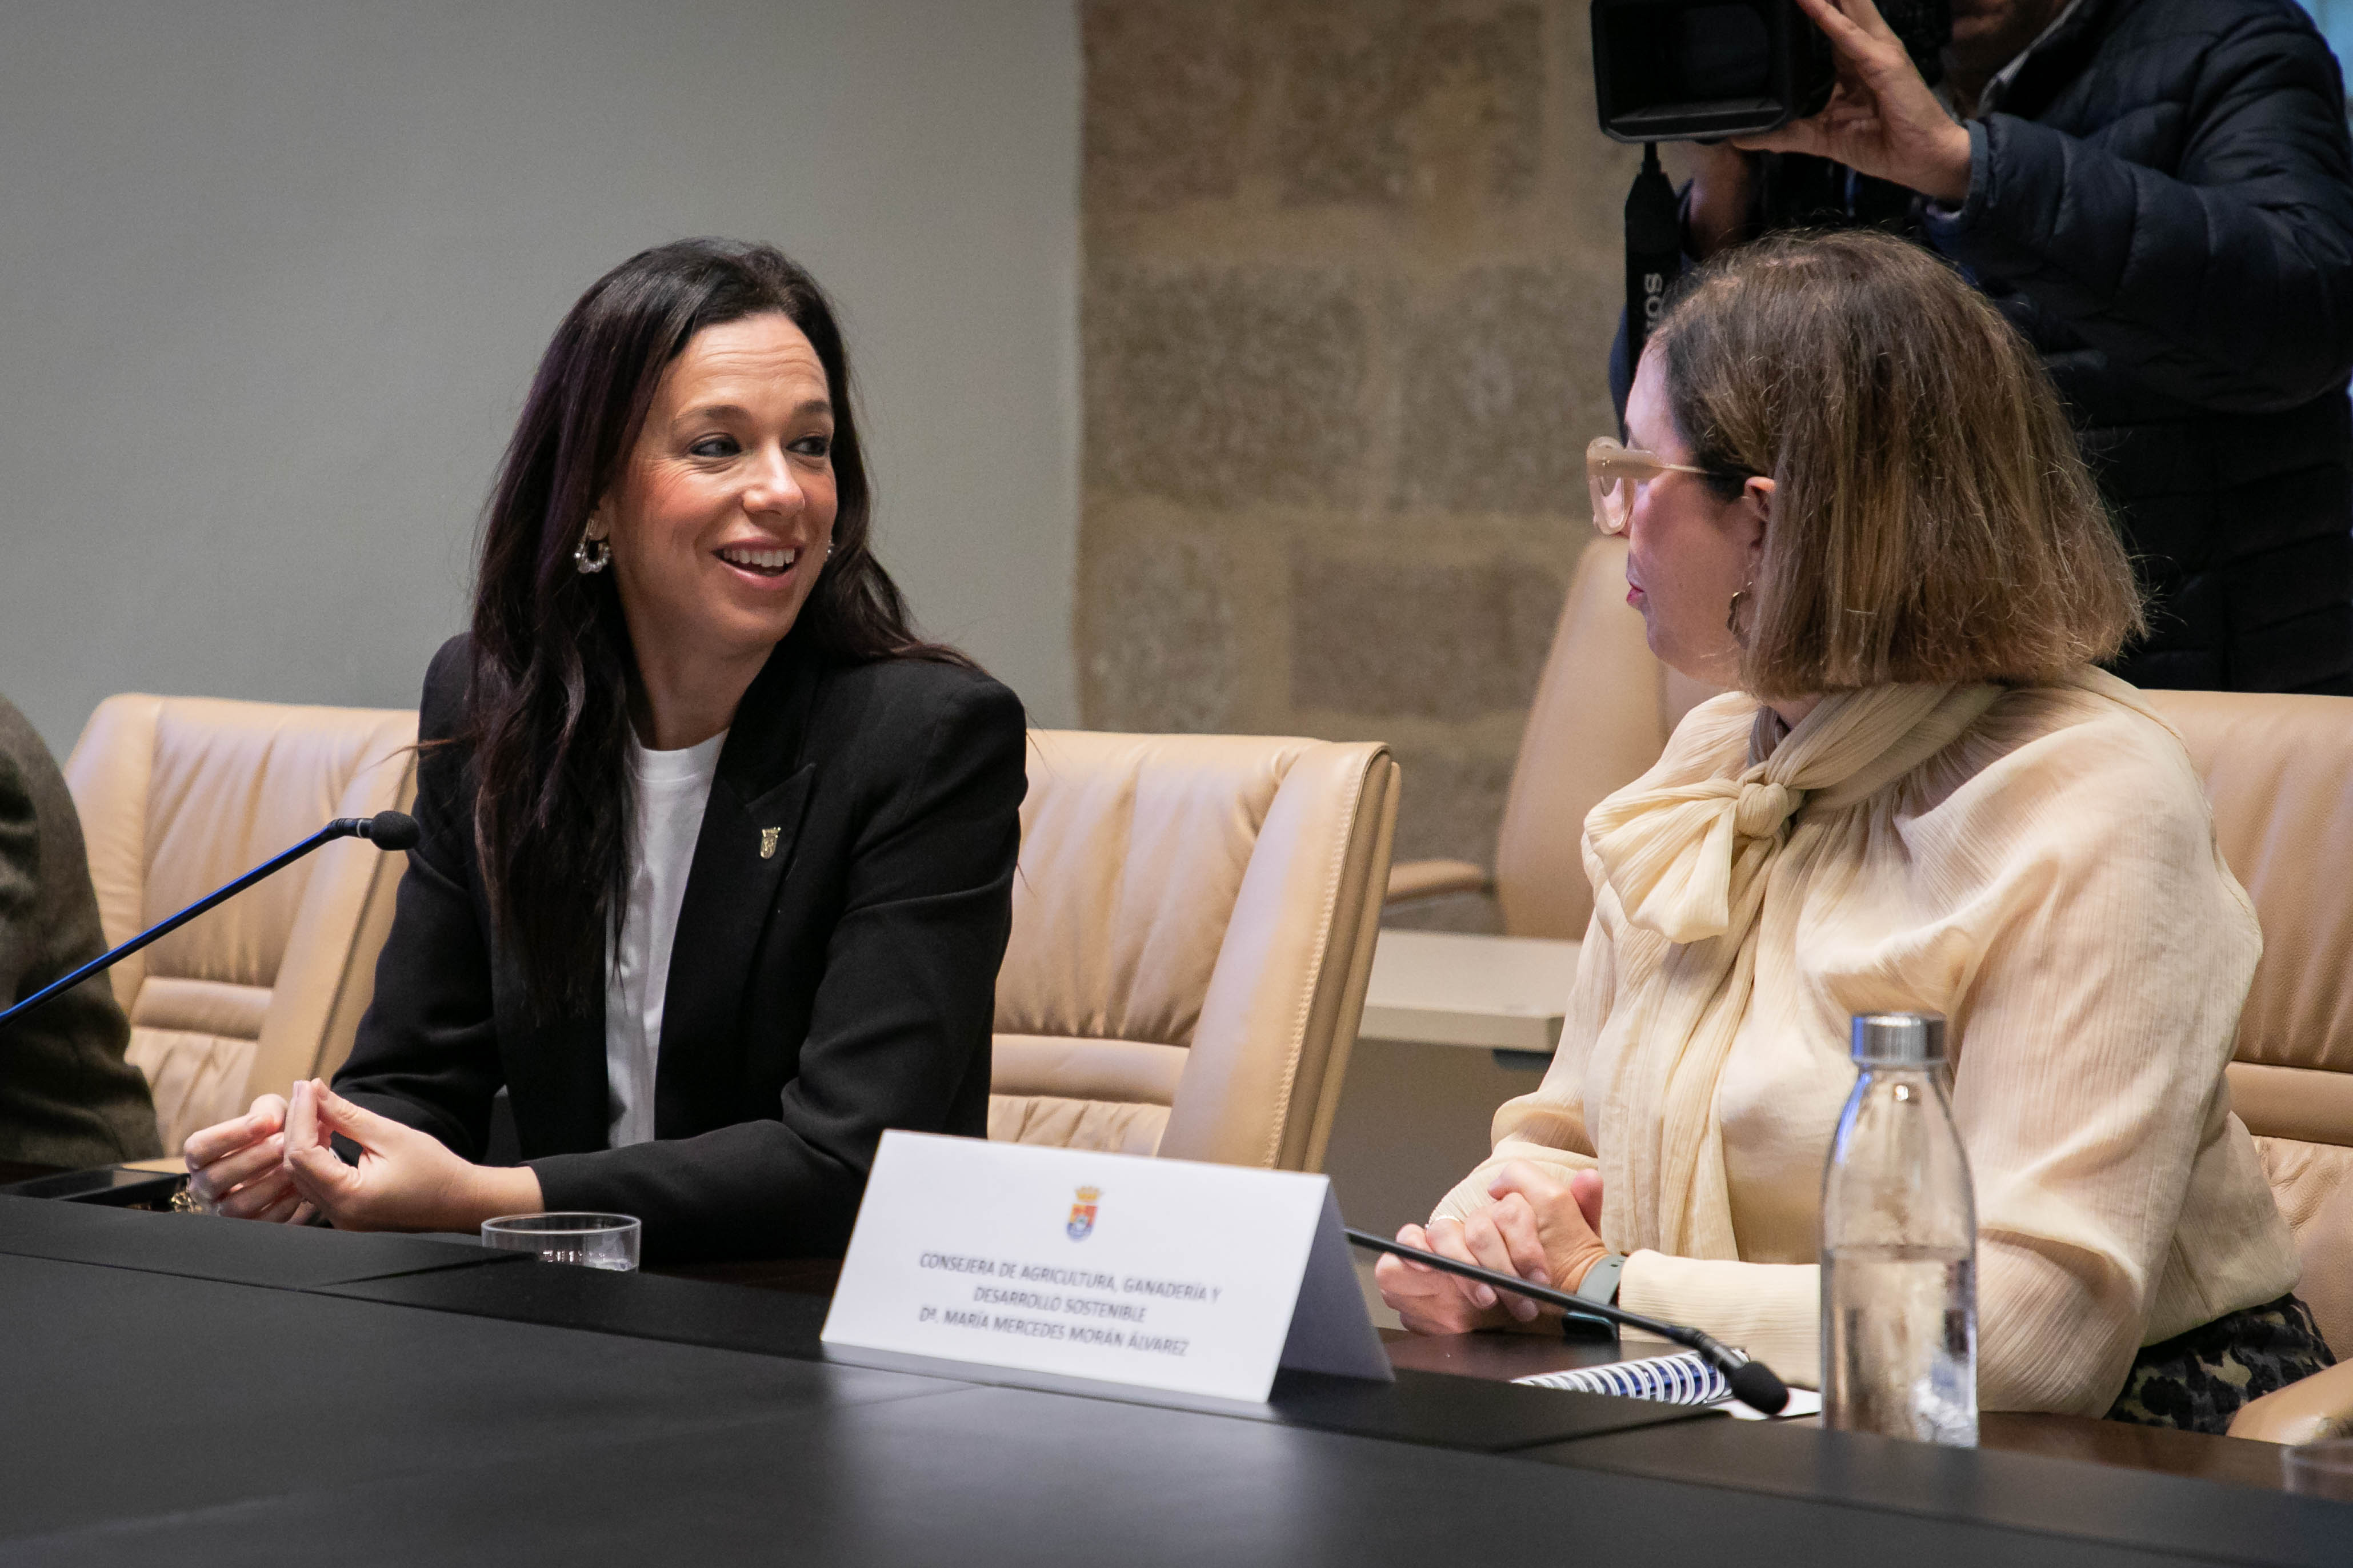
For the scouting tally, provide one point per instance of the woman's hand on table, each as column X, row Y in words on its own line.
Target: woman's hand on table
column 238, row 1167
column 406, row 1180
column 1541, row 1228
column 1427, row 1300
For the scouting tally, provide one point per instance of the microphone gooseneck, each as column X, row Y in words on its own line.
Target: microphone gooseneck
column 386, row 830
column 1753, row 1383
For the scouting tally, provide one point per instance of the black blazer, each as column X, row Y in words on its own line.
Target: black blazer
column 840, row 986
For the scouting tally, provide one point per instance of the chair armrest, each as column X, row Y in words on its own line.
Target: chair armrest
column 1433, row 878
column 2319, row 1406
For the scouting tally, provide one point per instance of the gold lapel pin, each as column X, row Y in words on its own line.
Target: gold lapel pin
column 769, row 842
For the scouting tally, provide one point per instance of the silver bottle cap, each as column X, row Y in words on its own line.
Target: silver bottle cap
column 1899, row 1039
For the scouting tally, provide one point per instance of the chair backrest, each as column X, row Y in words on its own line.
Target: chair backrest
column 180, row 794
column 1603, row 711
column 1193, row 927
column 2280, row 773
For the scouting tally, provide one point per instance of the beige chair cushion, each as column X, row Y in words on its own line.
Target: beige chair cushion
column 178, row 795
column 1082, row 1093
column 2280, row 773
column 2279, row 770
column 1603, row 711
column 2312, row 1184
column 1193, row 926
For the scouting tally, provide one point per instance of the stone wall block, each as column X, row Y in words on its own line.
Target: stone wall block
column 1504, row 380
column 1401, row 637
column 1157, row 634
column 1350, row 276
column 1226, row 387
column 1384, row 101
column 1167, row 101
column 1450, row 804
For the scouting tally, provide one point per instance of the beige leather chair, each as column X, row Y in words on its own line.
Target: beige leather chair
column 2280, row 773
column 1193, row 925
column 180, row 794
column 1603, row 711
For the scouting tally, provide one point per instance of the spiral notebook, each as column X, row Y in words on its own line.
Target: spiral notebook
column 1681, row 1379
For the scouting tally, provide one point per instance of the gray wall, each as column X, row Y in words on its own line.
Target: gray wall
column 273, row 277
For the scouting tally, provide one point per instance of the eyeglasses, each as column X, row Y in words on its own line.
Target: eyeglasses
column 1612, row 471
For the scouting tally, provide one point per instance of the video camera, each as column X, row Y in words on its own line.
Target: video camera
column 1684, row 70
column 1700, row 71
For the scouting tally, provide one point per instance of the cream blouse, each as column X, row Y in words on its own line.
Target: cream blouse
column 2042, row 869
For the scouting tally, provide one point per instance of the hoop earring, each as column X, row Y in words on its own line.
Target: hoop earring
column 592, row 554
column 1732, row 616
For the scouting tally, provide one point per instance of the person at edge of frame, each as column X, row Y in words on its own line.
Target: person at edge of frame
column 69, row 1096
column 2160, row 195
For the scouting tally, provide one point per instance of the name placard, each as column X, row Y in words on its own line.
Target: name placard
column 1154, row 1273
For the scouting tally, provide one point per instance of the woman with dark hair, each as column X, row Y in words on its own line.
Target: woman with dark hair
column 718, row 854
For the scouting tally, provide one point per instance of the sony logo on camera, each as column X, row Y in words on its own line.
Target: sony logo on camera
column 1683, row 70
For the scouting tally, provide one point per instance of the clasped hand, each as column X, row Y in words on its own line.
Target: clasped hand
column 274, row 1163
column 1540, row 1227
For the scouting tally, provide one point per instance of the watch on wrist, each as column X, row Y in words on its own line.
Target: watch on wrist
column 1599, row 1284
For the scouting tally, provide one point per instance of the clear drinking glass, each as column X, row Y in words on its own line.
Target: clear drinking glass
column 1899, row 1340
column 591, row 1240
column 2320, row 1469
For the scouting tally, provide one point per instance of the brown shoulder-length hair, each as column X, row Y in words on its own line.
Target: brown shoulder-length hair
column 1933, row 519
column 548, row 720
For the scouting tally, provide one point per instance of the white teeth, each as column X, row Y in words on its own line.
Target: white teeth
column 770, row 560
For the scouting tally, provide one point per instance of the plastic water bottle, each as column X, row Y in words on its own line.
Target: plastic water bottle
column 1899, row 1246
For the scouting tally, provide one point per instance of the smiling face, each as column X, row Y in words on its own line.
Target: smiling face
column 1687, row 552
column 722, row 515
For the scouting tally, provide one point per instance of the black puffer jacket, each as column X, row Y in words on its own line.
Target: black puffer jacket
column 2162, row 200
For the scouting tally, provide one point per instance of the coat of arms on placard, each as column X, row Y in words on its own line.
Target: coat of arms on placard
column 1082, row 1213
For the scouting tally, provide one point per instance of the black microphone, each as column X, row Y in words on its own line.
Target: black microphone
column 386, row 830
column 1753, row 1383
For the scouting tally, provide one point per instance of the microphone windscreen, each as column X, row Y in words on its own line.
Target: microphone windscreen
column 1755, row 1386
column 393, row 830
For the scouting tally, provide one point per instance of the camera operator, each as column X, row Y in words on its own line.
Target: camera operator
column 2160, row 193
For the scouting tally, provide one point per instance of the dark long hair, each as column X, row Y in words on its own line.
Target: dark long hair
column 548, row 708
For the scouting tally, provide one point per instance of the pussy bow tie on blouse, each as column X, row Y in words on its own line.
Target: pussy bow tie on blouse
column 1689, row 862
column 1682, row 858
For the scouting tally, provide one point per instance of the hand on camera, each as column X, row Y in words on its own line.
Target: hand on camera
column 1882, row 119
column 1540, row 1227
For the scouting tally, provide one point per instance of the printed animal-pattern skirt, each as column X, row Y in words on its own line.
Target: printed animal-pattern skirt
column 2198, row 1381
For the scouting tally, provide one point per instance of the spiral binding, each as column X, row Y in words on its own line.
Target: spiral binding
column 1683, row 1379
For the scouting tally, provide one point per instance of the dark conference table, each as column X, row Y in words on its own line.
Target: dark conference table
column 190, row 1390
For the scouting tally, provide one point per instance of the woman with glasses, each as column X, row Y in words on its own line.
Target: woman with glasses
column 1851, row 496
